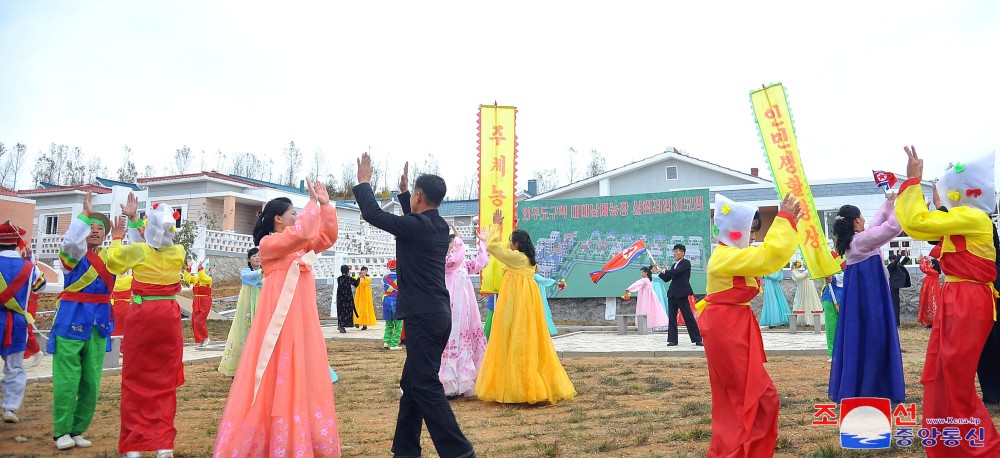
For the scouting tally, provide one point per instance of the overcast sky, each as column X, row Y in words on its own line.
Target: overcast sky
column 406, row 79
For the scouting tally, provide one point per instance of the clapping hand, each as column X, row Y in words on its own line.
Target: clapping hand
column 404, row 179
column 914, row 165
column 791, row 206
column 364, row 169
column 87, row 208
column 131, row 207
column 498, row 217
column 118, row 228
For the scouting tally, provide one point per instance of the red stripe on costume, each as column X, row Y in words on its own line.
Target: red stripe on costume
column 740, row 293
column 89, row 298
column 962, row 263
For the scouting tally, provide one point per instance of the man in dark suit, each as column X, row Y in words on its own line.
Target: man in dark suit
column 898, row 278
column 679, row 277
column 423, row 304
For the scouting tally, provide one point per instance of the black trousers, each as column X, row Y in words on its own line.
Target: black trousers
column 423, row 395
column 681, row 303
column 895, row 303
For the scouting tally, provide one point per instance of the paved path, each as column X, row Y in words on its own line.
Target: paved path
column 578, row 344
column 654, row 345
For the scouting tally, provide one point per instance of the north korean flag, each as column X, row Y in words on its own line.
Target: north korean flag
column 884, row 180
column 621, row 260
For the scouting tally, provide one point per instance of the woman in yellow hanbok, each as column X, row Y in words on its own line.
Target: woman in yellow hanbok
column 363, row 301
column 520, row 364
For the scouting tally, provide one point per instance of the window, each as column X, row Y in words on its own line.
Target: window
column 671, row 172
column 51, row 224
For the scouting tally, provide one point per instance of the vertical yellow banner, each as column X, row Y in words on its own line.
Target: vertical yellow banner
column 777, row 132
column 497, row 173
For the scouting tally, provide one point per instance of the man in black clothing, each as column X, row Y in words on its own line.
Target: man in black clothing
column 679, row 277
column 898, row 278
column 423, row 305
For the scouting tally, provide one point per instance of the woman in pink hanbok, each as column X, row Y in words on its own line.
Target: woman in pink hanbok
column 281, row 401
column 647, row 303
column 467, row 343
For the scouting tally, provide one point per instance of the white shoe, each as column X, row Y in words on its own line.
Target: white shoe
column 65, row 442
column 385, row 345
column 829, row 360
column 204, row 343
column 9, row 417
column 164, row 454
column 395, row 348
column 34, row 360
column 81, row 442
column 133, row 454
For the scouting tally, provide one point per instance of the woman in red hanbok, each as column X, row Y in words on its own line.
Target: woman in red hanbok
column 744, row 399
column 930, row 290
column 281, row 402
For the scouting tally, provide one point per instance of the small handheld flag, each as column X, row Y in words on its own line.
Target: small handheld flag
column 620, row 260
column 884, row 180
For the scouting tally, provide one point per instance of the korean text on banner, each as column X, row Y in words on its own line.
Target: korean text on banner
column 497, row 174
column 777, row 132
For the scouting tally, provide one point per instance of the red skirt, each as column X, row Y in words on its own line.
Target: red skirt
column 744, row 400
column 964, row 320
column 149, row 384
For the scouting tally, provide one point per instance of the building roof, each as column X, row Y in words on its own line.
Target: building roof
column 212, row 174
column 109, row 183
column 277, row 186
column 96, row 189
column 670, row 153
column 459, row 208
column 5, row 191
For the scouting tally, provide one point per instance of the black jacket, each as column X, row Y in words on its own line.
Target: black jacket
column 898, row 276
column 679, row 277
column 421, row 247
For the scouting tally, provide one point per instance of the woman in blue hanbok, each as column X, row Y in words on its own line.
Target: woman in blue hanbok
column 544, row 283
column 867, row 361
column 775, row 309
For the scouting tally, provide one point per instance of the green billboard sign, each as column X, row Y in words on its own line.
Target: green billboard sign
column 574, row 237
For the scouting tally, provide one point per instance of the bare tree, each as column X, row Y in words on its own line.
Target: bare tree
column 16, row 161
column 94, row 169
column 5, row 170
column 220, row 160
column 428, row 166
column 149, row 172
column 319, row 158
column 182, row 160
column 572, row 168
column 293, row 161
column 348, row 176
column 250, row 166
column 596, row 166
column 468, row 189
column 546, row 180
column 127, row 173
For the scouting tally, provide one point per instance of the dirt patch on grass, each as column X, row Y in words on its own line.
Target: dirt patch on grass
column 626, row 407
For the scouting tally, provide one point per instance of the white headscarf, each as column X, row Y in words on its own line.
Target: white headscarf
column 734, row 221
column 969, row 184
column 160, row 226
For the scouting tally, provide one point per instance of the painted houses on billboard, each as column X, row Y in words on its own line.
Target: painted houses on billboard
column 674, row 171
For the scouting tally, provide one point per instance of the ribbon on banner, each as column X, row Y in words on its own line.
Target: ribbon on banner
column 497, row 174
column 777, row 134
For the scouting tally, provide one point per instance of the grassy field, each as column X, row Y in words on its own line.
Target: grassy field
column 625, row 407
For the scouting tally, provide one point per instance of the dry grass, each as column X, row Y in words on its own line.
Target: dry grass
column 625, row 407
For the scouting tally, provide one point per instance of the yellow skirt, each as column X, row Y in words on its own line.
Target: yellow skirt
column 364, row 303
column 520, row 364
